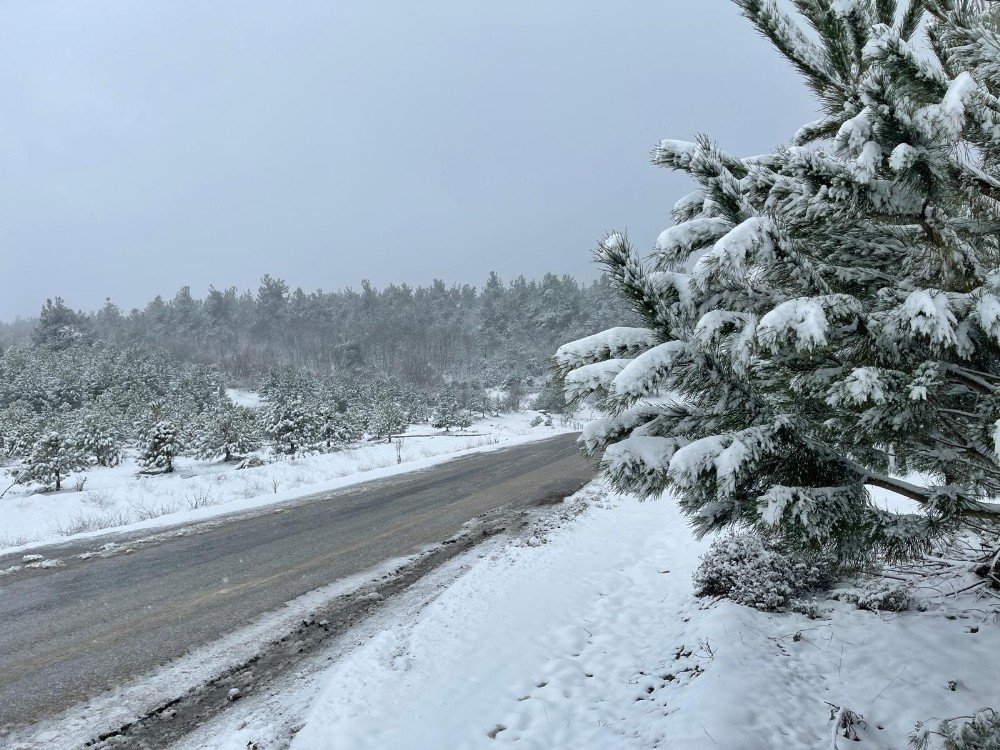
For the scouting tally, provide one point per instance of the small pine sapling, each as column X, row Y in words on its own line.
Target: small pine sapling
column 450, row 412
column 387, row 420
column 52, row 458
column 162, row 444
column 226, row 431
column 99, row 441
column 293, row 428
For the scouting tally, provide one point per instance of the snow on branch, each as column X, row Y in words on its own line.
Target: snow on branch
column 728, row 257
column 674, row 154
column 804, row 320
column 926, row 313
column 677, row 243
column 640, row 462
column 722, row 458
column 614, row 342
column 588, row 379
column 643, row 375
column 815, row 511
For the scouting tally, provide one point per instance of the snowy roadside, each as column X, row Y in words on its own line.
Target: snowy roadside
column 587, row 635
column 116, row 499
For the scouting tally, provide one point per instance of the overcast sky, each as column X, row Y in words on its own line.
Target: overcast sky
column 149, row 145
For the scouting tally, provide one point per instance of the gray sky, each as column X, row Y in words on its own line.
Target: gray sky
column 148, row 145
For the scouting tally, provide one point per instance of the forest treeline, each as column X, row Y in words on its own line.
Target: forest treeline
column 421, row 335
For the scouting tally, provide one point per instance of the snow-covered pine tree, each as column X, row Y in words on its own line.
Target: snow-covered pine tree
column 551, row 399
column 226, row 431
column 413, row 403
column 52, row 457
column 19, row 429
column 387, row 418
column 292, row 426
column 484, row 404
column 98, row 440
column 827, row 316
column 335, row 429
column 161, row 445
column 449, row 411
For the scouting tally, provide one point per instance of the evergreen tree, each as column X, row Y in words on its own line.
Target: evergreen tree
column 552, row 398
column 335, row 429
column 97, row 440
column 387, row 418
column 827, row 316
column 59, row 326
column 449, row 412
column 52, row 457
column 19, row 430
column 226, row 431
column 292, row 428
column 483, row 403
column 161, row 446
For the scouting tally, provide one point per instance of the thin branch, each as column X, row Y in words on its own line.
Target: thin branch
column 974, row 382
column 923, row 496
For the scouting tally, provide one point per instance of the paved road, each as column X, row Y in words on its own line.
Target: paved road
column 69, row 632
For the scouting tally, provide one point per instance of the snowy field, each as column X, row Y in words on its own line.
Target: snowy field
column 586, row 634
column 117, row 498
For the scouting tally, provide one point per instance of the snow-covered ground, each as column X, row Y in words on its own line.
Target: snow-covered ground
column 586, row 634
column 117, row 498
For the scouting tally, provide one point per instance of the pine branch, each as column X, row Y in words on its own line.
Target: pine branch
column 818, row 130
column 974, row 382
column 984, row 183
column 831, row 31
column 789, row 39
column 912, row 16
column 885, row 11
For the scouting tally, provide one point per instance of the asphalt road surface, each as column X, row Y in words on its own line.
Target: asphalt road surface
column 69, row 632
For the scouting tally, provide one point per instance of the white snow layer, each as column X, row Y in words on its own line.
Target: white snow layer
column 614, row 342
column 245, row 398
column 728, row 255
column 643, row 375
column 803, row 318
column 926, row 313
column 682, row 239
column 585, row 380
column 588, row 636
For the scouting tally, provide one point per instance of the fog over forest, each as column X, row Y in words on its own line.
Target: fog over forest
column 422, row 335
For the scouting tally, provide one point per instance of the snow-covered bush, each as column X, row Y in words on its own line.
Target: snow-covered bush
column 335, row 429
column 879, row 597
column 251, row 462
column 978, row 732
column 225, row 431
column 752, row 571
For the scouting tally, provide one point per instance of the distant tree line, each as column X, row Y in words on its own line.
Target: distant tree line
column 419, row 335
